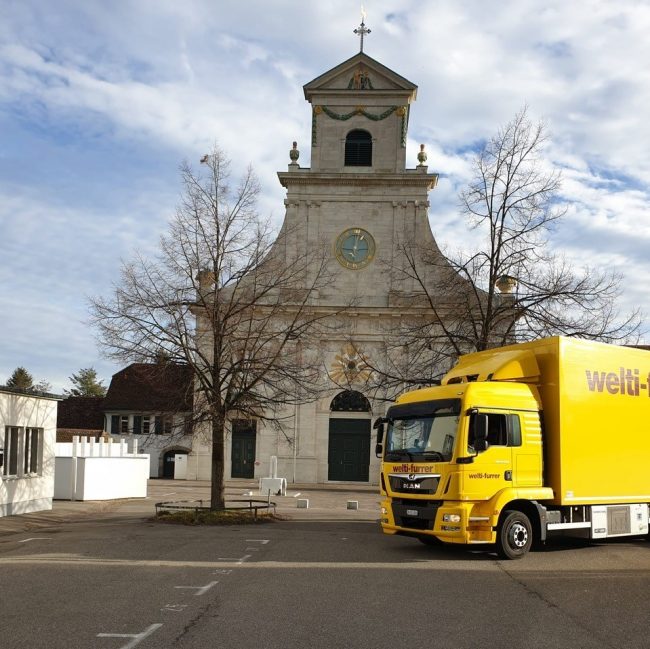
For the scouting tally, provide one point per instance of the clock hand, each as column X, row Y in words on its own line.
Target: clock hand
column 355, row 247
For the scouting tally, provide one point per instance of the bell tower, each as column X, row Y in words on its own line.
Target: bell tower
column 358, row 193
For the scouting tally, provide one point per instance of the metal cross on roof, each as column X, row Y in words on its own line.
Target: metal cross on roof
column 362, row 30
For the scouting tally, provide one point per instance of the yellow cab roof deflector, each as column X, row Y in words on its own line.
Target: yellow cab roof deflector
column 494, row 365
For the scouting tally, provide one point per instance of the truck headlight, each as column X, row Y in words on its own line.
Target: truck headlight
column 451, row 518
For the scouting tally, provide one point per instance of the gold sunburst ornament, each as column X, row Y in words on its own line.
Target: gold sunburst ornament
column 350, row 366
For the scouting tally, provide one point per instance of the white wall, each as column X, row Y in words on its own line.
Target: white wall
column 28, row 493
column 100, row 471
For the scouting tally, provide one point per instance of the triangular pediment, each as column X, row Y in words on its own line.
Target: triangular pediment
column 360, row 73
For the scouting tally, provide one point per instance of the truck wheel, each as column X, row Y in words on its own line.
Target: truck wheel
column 515, row 535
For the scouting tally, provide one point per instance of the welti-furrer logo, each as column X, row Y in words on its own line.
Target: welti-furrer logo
column 412, row 468
column 633, row 383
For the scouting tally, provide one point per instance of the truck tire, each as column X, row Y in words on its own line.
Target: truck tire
column 514, row 536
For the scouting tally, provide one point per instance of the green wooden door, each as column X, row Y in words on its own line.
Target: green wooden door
column 349, row 450
column 243, row 451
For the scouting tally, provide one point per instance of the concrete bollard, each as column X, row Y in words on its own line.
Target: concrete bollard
column 353, row 504
column 303, row 503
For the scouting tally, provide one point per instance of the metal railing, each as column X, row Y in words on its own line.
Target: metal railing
column 252, row 505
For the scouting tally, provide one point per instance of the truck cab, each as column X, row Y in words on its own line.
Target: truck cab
column 453, row 455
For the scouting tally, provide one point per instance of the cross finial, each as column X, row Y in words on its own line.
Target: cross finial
column 362, row 30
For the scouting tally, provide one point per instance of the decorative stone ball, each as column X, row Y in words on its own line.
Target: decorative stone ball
column 294, row 154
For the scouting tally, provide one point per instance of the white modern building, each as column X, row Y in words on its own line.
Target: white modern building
column 27, row 441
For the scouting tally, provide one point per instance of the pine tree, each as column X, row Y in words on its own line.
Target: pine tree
column 21, row 379
column 85, row 384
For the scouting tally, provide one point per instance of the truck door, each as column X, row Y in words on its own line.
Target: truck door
column 527, row 449
column 491, row 470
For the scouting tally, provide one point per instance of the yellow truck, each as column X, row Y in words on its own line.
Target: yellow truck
column 519, row 442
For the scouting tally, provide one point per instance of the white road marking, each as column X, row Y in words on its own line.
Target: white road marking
column 445, row 565
column 171, row 493
column 201, row 590
column 36, row 538
column 137, row 637
column 246, row 556
column 262, row 541
column 176, row 608
column 296, row 495
column 222, row 572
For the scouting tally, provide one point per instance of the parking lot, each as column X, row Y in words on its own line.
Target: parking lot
column 107, row 576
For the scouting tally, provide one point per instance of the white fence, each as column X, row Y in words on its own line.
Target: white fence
column 90, row 470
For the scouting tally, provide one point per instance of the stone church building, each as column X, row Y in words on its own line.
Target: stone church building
column 360, row 196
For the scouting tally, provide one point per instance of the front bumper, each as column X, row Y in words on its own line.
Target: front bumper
column 449, row 521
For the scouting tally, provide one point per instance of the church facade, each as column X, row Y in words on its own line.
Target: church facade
column 359, row 196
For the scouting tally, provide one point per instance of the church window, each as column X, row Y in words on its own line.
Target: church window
column 358, row 149
column 350, row 401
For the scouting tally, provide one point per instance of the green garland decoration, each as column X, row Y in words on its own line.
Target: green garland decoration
column 314, row 129
column 405, row 124
column 359, row 111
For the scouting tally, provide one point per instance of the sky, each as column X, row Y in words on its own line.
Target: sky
column 100, row 102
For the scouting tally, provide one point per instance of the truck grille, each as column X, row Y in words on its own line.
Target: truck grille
column 405, row 483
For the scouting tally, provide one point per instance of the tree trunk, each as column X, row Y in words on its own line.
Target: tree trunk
column 217, row 490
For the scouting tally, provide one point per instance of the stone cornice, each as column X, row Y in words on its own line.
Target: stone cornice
column 373, row 179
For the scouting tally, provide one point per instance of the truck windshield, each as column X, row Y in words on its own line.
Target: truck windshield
column 429, row 436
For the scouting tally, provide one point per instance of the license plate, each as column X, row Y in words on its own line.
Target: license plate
column 412, row 512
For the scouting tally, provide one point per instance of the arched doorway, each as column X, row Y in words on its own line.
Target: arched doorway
column 349, row 438
column 169, row 462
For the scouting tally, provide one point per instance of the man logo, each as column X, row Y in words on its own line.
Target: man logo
column 412, row 477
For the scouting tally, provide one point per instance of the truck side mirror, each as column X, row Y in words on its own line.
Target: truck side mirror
column 379, row 427
column 480, row 432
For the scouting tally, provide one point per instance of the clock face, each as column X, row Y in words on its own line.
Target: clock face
column 355, row 248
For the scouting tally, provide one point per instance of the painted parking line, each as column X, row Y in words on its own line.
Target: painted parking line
column 174, row 608
column 36, row 538
column 200, row 590
column 136, row 638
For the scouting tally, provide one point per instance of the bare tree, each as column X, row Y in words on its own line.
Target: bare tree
column 226, row 299
column 513, row 288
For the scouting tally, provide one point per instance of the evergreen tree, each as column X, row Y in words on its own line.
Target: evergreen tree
column 21, row 379
column 85, row 384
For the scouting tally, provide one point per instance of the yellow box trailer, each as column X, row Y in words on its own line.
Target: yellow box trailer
column 521, row 442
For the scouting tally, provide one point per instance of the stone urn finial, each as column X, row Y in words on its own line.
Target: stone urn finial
column 294, row 154
column 506, row 284
column 422, row 156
